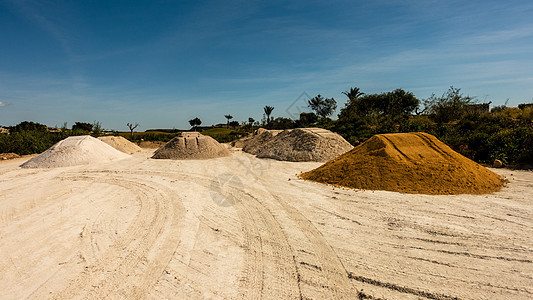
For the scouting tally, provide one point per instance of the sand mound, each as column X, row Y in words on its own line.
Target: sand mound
column 304, row 144
column 415, row 163
column 120, row 143
column 191, row 145
column 75, row 150
column 258, row 141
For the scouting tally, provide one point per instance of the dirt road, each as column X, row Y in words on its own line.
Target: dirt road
column 242, row 227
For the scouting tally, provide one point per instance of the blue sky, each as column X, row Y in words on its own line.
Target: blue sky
column 162, row 63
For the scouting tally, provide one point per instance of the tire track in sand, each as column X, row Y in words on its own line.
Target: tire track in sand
column 271, row 269
column 134, row 263
column 331, row 267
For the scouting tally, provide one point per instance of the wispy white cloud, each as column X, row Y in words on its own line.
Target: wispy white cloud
column 501, row 36
column 2, row 103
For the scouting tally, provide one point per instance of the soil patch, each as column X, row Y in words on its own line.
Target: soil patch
column 415, row 163
column 191, row 145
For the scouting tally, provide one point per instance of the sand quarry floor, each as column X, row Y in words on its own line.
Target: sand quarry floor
column 242, row 227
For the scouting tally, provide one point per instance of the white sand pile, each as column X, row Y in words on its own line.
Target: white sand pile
column 120, row 143
column 75, row 150
column 305, row 144
column 191, row 145
column 261, row 137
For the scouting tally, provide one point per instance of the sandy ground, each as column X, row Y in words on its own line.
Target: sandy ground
column 242, row 227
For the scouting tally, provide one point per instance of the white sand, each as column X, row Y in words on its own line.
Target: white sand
column 242, row 227
column 73, row 151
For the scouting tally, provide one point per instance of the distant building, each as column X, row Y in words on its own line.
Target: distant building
column 3, row 130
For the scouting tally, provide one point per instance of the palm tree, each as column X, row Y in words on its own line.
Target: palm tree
column 354, row 93
column 268, row 111
column 229, row 117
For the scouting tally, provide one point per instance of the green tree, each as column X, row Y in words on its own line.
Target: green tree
column 97, row 128
column 281, row 123
column 229, row 117
column 268, row 111
column 251, row 122
column 28, row 126
column 195, row 122
column 397, row 103
column 234, row 124
column 306, row 119
column 323, row 107
column 448, row 107
column 353, row 93
column 81, row 126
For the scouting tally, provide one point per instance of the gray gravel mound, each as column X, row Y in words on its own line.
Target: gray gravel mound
column 304, row 144
column 191, row 145
column 257, row 142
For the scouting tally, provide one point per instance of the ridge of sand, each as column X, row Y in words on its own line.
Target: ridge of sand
column 120, row 143
column 304, row 144
column 415, row 163
column 191, row 145
column 75, row 150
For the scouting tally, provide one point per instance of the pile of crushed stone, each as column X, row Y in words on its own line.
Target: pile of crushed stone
column 416, row 163
column 240, row 143
column 252, row 144
column 302, row 144
column 75, row 150
column 120, row 143
column 191, row 145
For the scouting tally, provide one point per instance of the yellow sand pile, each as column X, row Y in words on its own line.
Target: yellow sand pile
column 191, row 145
column 120, row 143
column 415, row 163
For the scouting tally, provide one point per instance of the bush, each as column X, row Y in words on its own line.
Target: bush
column 28, row 142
